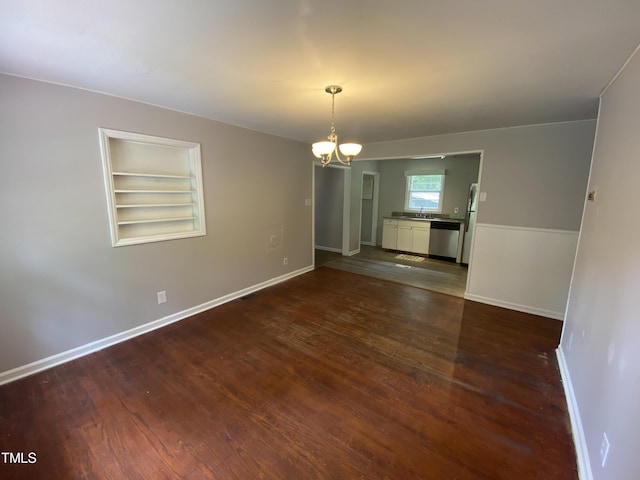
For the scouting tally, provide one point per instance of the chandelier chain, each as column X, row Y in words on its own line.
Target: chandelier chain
column 333, row 111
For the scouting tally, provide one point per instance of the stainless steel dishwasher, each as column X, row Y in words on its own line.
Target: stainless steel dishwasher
column 443, row 240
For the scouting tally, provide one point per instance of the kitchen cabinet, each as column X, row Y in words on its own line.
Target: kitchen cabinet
column 390, row 234
column 415, row 236
column 420, row 240
column 406, row 235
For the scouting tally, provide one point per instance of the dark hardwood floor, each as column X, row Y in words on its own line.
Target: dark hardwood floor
column 330, row 375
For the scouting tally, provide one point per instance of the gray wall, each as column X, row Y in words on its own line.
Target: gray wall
column 601, row 338
column 329, row 210
column 63, row 285
column 534, row 176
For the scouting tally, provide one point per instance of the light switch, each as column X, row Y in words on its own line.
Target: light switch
column 162, row 297
column 483, row 196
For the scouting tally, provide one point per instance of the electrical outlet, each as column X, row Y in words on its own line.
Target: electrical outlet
column 285, row 261
column 604, row 449
column 162, row 297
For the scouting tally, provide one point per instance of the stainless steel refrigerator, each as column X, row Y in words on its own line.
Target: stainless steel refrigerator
column 469, row 222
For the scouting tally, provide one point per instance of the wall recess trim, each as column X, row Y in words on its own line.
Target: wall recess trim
column 153, row 186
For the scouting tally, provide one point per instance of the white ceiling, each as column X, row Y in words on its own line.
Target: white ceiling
column 409, row 68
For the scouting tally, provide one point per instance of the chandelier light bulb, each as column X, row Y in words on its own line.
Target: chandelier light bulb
column 323, row 148
column 350, row 149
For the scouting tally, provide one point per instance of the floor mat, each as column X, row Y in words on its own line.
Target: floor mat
column 411, row 258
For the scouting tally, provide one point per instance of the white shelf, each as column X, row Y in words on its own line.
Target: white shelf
column 152, row 205
column 151, row 175
column 154, row 187
column 156, row 220
column 154, row 191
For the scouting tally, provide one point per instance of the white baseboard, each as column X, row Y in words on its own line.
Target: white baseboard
column 337, row 250
column 63, row 357
column 582, row 453
column 514, row 306
column 328, row 249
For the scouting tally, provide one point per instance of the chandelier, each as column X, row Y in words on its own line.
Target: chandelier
column 324, row 150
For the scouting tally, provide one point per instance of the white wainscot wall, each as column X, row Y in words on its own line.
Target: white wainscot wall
column 524, row 269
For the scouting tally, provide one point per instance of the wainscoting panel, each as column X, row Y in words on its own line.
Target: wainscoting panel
column 525, row 269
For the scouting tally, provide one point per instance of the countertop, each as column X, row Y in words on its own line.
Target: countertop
column 424, row 219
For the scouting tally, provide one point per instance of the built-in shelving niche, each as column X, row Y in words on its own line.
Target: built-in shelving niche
column 154, row 187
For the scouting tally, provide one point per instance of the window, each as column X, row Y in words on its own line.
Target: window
column 424, row 191
column 153, row 186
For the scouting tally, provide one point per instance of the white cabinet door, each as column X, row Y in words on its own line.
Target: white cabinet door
column 390, row 234
column 420, row 242
column 405, row 237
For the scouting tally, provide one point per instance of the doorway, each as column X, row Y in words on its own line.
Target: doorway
column 332, row 189
column 381, row 184
column 369, row 208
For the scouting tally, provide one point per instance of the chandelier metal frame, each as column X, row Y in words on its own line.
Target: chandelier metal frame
column 324, row 150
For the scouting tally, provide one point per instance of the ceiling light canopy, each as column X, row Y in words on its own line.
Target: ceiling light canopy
column 325, row 149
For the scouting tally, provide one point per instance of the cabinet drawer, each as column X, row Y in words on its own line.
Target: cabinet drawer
column 389, row 221
column 415, row 223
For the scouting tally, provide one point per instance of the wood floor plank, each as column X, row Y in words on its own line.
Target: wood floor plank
column 330, row 375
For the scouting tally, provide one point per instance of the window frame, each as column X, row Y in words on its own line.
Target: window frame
column 409, row 175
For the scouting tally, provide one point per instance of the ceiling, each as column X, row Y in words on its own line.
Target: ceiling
column 409, row 69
